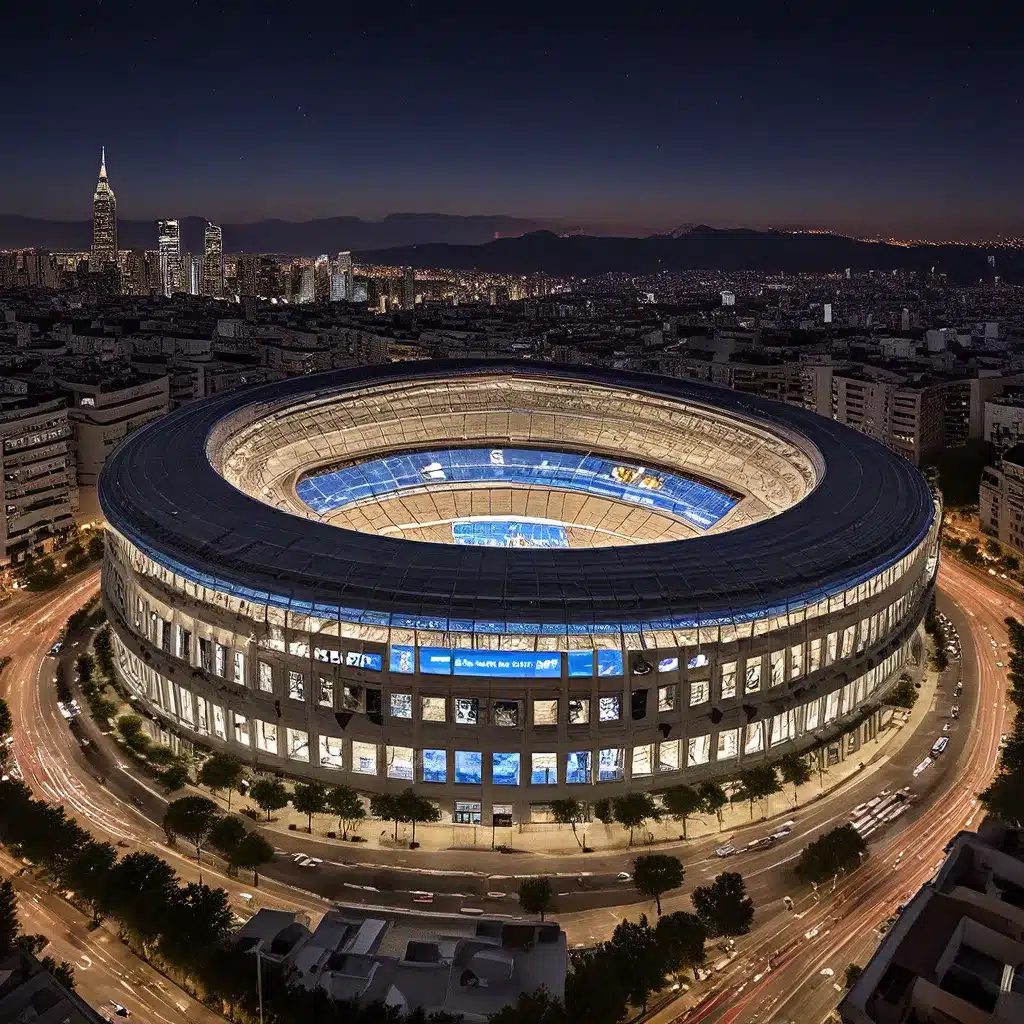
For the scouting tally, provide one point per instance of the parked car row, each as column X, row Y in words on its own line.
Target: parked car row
column 764, row 843
column 69, row 709
column 950, row 636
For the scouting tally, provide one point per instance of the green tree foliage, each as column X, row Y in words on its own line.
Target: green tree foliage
column 10, row 927
column 713, row 799
column 595, row 990
column 413, row 807
column 95, row 547
column 852, row 976
column 86, row 874
column 132, row 732
column 536, row 896
column 639, row 959
column 269, row 794
column 252, row 852
column 570, row 812
column 682, row 802
column 655, row 874
column 902, row 695
column 836, row 852
column 536, row 1007
column 192, row 818
column 386, row 807
column 61, row 970
column 681, row 937
column 174, row 777
column 346, row 804
column 139, row 887
column 104, row 649
column 221, row 772
column 603, row 811
column 309, row 798
column 724, row 906
column 795, row 771
column 633, row 810
column 757, row 783
column 6, row 722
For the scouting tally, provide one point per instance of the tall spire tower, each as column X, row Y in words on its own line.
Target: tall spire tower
column 104, row 220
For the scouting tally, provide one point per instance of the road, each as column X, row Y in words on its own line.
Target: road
column 125, row 806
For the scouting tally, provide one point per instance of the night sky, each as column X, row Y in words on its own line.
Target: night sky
column 892, row 118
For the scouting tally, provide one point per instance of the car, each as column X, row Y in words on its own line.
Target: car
column 56, row 648
column 783, row 830
column 120, row 1009
column 764, row 843
column 955, row 711
column 624, row 876
column 725, row 851
column 945, row 727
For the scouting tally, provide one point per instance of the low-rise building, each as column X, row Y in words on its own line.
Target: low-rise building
column 29, row 993
column 1001, row 499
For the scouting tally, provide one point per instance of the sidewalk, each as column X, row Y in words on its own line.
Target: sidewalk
column 548, row 840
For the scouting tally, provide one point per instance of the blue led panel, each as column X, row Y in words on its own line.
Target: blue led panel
column 509, row 533
column 507, row 664
column 403, row 659
column 581, row 663
column 436, row 661
column 577, row 766
column 468, row 766
column 435, row 766
column 609, row 663
column 505, row 769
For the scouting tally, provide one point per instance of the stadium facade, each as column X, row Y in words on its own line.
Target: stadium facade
column 508, row 583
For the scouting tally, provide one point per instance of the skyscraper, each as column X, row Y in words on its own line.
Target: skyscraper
column 213, row 262
column 169, row 245
column 104, row 220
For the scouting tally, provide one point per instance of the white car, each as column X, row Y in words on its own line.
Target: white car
column 624, row 876
column 725, row 851
column 119, row 1009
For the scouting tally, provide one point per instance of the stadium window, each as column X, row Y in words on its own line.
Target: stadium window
column 777, row 662
column 698, row 750
column 643, row 760
column 205, row 654
column 579, row 710
column 609, row 709
column 669, row 755
column 812, row 717
column 753, row 676
column 505, row 713
column 219, row 659
column 433, row 709
column 401, row 705
column 331, row 752
column 364, row 758
column 796, row 661
column 266, row 676
column 728, row 681
column 728, row 744
column 577, row 767
column 468, row 767
column 831, row 648
column 467, row 812
column 610, row 764
column 815, row 660
column 435, row 765
column 298, row 744
column 544, row 769
column 467, row 711
column 698, row 661
column 849, row 635
column 241, row 725
column 505, row 769
column 545, row 712
column 668, row 664
column 325, row 696
column 266, row 737
column 399, row 761
column 239, row 660
column 352, row 698
column 754, row 739
column 296, row 685
column 699, row 692
column 218, row 722
column 667, row 697
column 202, row 717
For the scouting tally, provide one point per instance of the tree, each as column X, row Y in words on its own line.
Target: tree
column 536, row 1007
column 87, row 874
column 6, row 723
column 713, row 799
column 852, row 976
column 9, row 924
column 83, row 669
column 225, row 835
column 309, row 798
column 221, row 771
column 413, row 808
column 836, row 852
column 386, row 807
column 681, row 802
column 1011, row 563
column 902, row 695
column 62, row 971
column 633, row 809
column 270, row 795
column 657, row 873
column 131, row 730
column 940, row 659
column 95, row 546
column 1004, row 797
column 198, row 917
column 638, row 957
column 992, row 548
column 603, row 811
column 757, row 783
column 795, row 772
column 252, row 852
column 724, row 906
column 593, row 992
column 139, row 892
column 346, row 803
column 536, row 896
column 175, row 777
column 681, row 937
column 570, row 812
column 969, row 551
column 192, row 818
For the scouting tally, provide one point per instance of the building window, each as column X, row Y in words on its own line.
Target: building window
column 218, row 723
column 668, row 664
column 777, row 666
column 815, row 661
column 468, row 767
column 669, row 756
column 505, row 769
column 505, row 713
column 832, row 707
column 205, row 654
column 296, row 686
column 266, row 676
column 783, row 727
column 202, row 717
column 545, row 712
column 831, row 648
column 577, row 767
column 698, row 661
column 753, row 680
column 544, row 769
column 325, row 692
column 239, row 668
column 699, row 692
column 796, row 661
column 579, row 710
column 667, row 697
column 364, row 758
column 298, row 744
column 849, row 635
column 433, row 709
column 266, row 737
column 352, row 698
column 401, row 705
column 610, row 764
column 331, row 752
column 609, row 708
column 813, row 715
column 467, row 711
column 728, row 744
column 399, row 762
column 643, row 760
column 467, row 812
column 219, row 659
column 241, row 724
column 754, row 739
column 698, row 750
column 728, row 680
column 435, row 765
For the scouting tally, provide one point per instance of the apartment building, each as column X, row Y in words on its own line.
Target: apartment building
column 1001, row 499
column 956, row 953
column 40, row 494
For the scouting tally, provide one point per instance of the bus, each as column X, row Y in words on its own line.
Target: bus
column 940, row 745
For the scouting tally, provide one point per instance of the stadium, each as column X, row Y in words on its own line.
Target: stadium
column 506, row 583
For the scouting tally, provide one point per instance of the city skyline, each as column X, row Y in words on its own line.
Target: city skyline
column 803, row 118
